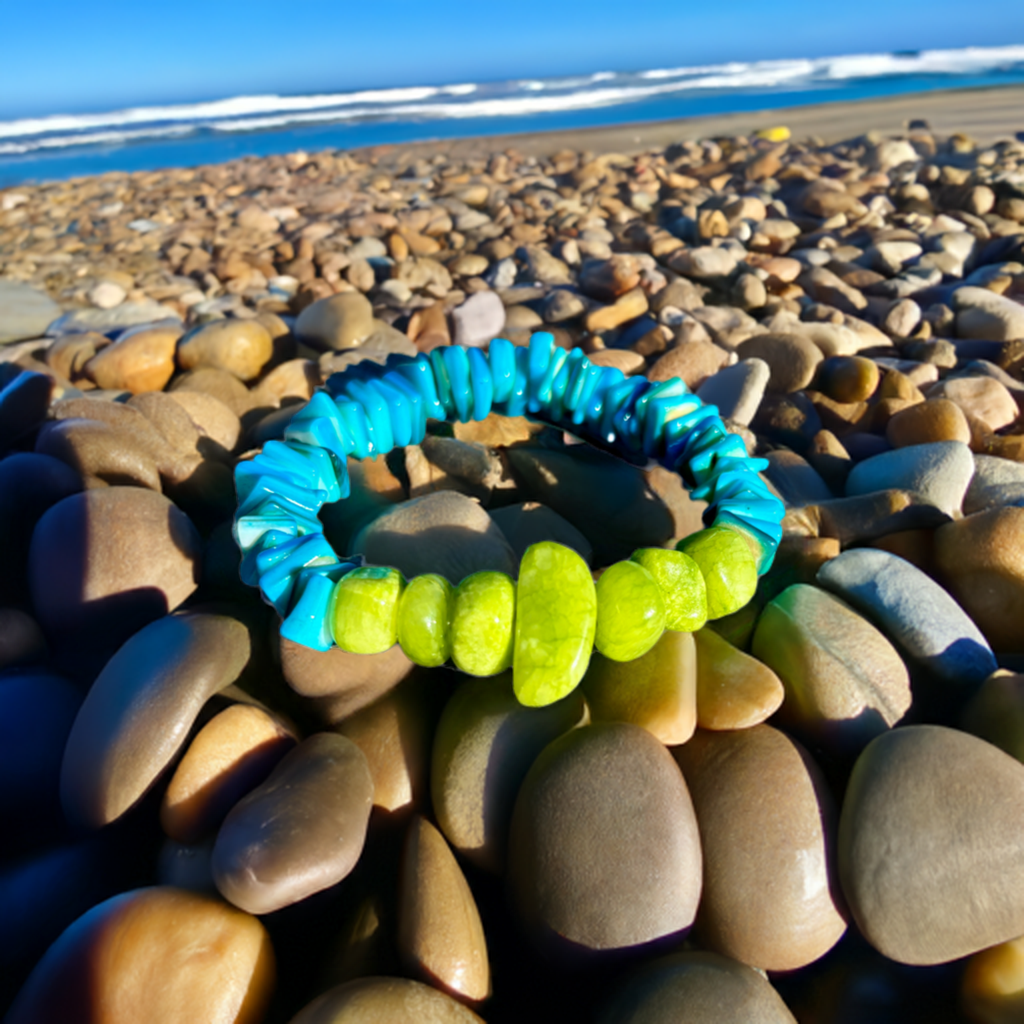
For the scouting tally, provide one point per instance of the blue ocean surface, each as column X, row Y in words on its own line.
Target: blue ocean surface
column 185, row 135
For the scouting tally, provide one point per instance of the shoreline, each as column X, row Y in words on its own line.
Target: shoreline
column 999, row 111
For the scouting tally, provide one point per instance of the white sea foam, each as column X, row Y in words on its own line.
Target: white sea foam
column 520, row 98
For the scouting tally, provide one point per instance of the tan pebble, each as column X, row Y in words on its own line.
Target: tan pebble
column 158, row 955
column 102, row 454
column 692, row 362
column 936, row 419
column 845, row 683
column 992, row 986
column 395, row 734
column 981, row 398
column 766, row 823
column 734, row 690
column 848, row 378
column 143, row 361
column 387, row 1001
column 337, row 683
column 980, row 558
column 791, row 358
column 657, row 691
column 440, row 935
column 916, row 546
column 626, row 307
column 242, row 347
column 398, row 247
column 484, row 745
column 899, row 385
column 231, row 754
column 68, row 355
column 470, row 265
column 224, row 386
column 341, row 321
column 623, row 359
column 297, row 378
column 212, row 417
column 884, row 410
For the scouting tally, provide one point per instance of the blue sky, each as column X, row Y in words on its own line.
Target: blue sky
column 66, row 56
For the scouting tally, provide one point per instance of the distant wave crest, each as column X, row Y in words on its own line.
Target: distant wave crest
column 518, row 98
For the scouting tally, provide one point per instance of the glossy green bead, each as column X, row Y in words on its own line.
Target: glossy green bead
column 682, row 587
column 364, row 609
column 556, row 616
column 483, row 620
column 424, row 620
column 728, row 566
column 630, row 612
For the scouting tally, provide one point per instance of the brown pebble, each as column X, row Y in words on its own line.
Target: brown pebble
column 143, row 361
column 734, row 690
column 242, row 347
column 642, row 880
column 299, row 832
column 234, row 752
column 159, row 955
column 657, row 691
column 440, row 935
column 692, row 362
column 848, row 378
column 103, row 455
column 766, row 823
column 387, row 1001
column 937, row 419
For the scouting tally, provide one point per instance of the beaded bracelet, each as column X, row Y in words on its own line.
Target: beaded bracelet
column 546, row 624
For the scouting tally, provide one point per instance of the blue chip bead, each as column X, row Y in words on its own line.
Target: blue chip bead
column 516, row 404
column 625, row 424
column 456, row 363
column 307, row 623
column 400, row 413
column 270, row 538
column 544, row 393
column 419, row 372
column 377, row 412
column 443, row 385
column 594, row 412
column 320, row 469
column 277, row 581
column 561, row 383
column 582, row 389
column 659, row 412
column 481, row 383
column 359, row 427
column 318, row 423
column 287, row 494
column 417, row 406
column 502, row 356
column 249, row 473
column 681, row 431
column 270, row 514
column 539, row 359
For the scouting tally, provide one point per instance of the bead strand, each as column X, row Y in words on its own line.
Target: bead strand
column 488, row 621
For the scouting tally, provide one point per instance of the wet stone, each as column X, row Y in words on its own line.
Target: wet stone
column 299, row 832
column 643, row 881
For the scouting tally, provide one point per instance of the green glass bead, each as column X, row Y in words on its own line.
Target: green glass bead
column 556, row 616
column 630, row 612
column 728, row 566
column 682, row 587
column 364, row 609
column 424, row 620
column 483, row 618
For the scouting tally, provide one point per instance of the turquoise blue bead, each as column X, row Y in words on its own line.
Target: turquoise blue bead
column 399, row 411
column 502, row 356
column 417, row 406
column 679, row 431
column 271, row 515
column 481, row 383
column 307, row 622
column 656, row 419
column 266, row 540
column 287, row 494
column 313, row 462
column 359, row 427
column 538, row 361
column 277, row 580
column 318, row 423
column 618, row 421
column 444, row 388
column 516, row 404
column 581, row 389
column 594, row 412
column 250, row 472
column 710, row 454
column 456, row 364
column 545, row 393
column 377, row 413
column 419, row 372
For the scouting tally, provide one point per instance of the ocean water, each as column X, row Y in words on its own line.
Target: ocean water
column 147, row 138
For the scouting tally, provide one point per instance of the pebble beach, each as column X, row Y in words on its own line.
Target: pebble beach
column 807, row 810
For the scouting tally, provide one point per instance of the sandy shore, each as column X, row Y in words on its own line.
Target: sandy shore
column 985, row 114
